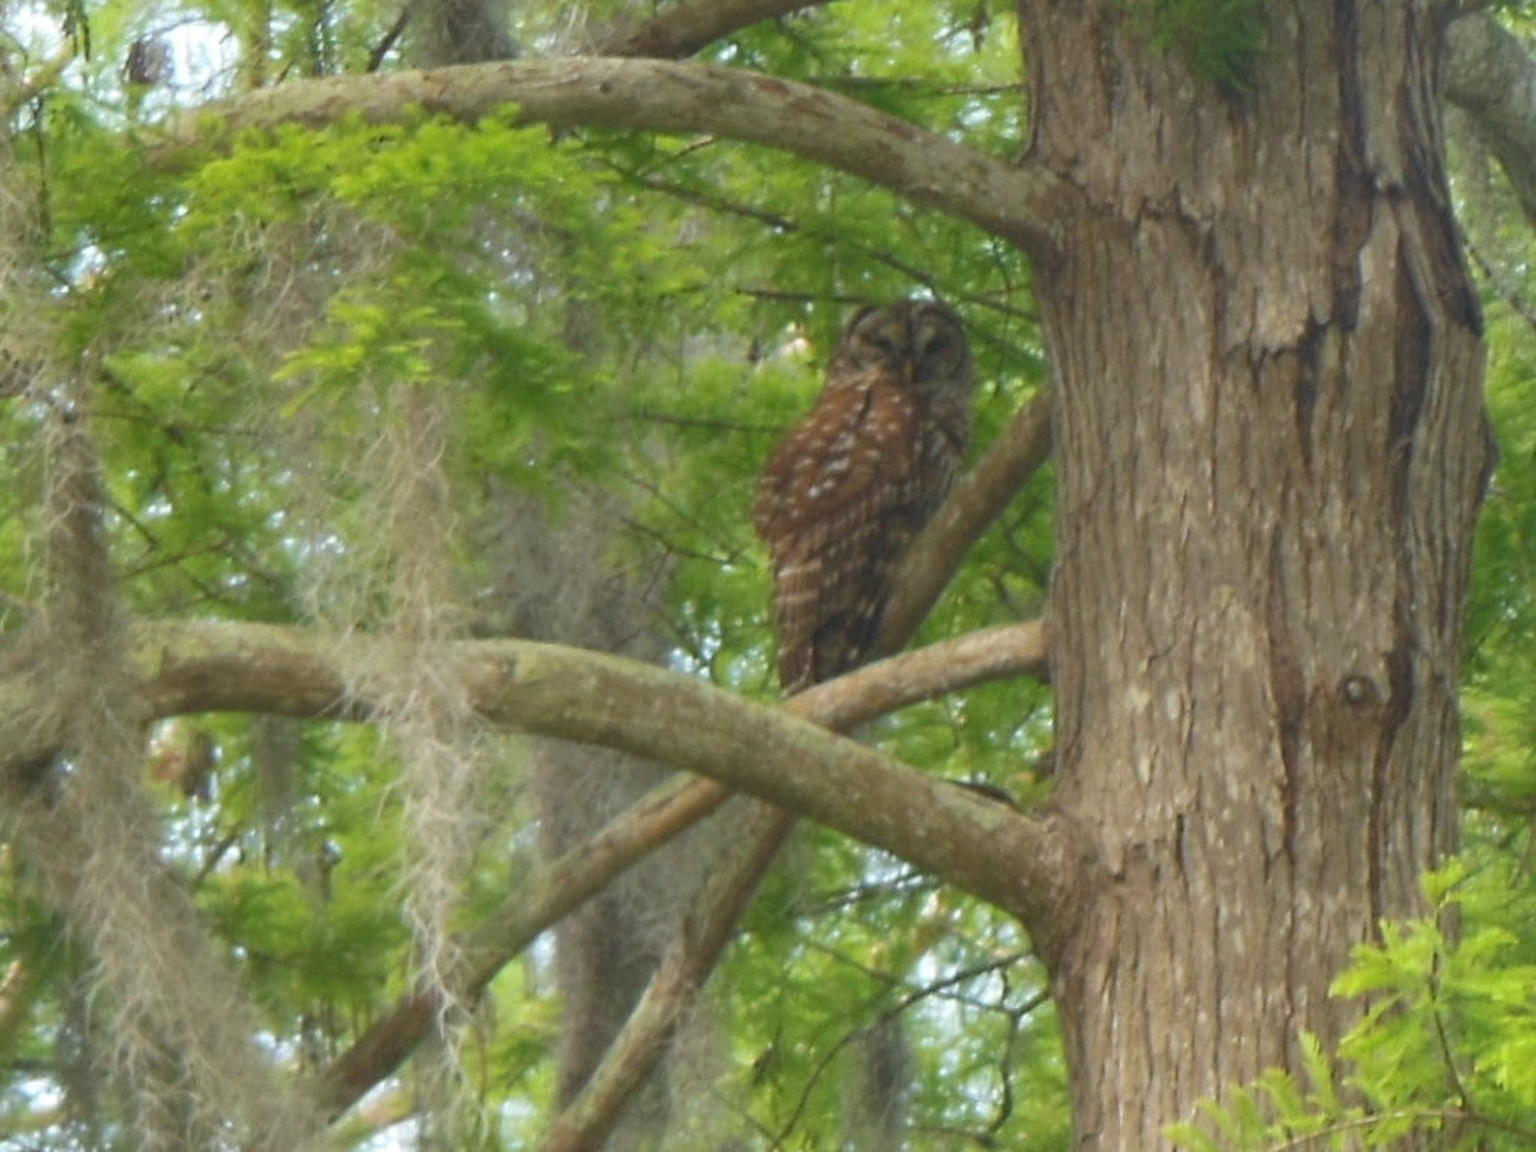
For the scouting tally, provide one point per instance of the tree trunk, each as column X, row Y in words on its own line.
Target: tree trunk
column 1269, row 412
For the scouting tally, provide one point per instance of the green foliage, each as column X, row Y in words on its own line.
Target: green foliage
column 639, row 313
column 1446, row 1045
column 1220, row 40
column 1498, row 698
column 643, row 314
column 955, row 970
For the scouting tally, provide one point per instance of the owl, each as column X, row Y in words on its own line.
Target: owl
column 849, row 487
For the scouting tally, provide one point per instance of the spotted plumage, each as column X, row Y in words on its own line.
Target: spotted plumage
column 851, row 485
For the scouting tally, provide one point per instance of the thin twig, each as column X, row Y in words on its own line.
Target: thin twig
column 391, row 38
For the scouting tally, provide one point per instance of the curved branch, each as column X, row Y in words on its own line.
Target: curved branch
column 1490, row 76
column 668, row 96
column 880, row 688
column 1017, row 862
column 206, row 666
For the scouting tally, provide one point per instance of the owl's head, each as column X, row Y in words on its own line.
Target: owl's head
column 918, row 342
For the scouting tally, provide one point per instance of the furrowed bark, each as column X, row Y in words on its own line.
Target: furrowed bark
column 1268, row 368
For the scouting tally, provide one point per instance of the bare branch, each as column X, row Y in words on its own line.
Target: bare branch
column 685, row 29
column 391, row 38
column 207, row 666
column 883, row 687
column 665, row 96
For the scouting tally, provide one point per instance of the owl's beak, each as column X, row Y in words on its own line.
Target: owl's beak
column 908, row 369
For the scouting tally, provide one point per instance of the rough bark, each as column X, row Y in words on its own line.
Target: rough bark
column 1267, row 364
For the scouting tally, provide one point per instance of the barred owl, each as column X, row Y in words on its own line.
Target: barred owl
column 850, row 485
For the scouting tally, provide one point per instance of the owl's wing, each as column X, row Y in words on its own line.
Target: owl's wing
column 857, row 441
column 839, row 502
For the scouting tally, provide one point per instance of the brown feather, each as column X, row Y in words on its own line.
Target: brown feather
column 850, row 486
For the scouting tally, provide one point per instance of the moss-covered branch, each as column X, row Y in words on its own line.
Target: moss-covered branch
column 1014, row 861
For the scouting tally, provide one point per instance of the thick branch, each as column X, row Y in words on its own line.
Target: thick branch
column 666, row 96
column 685, row 29
column 1015, row 862
column 207, row 666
